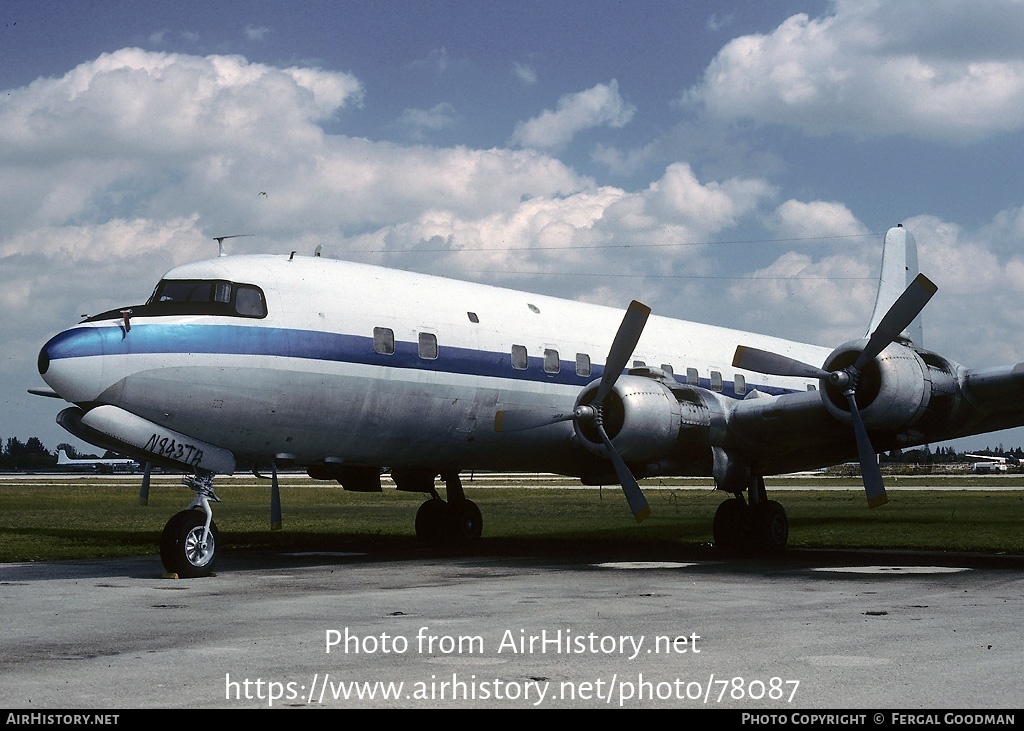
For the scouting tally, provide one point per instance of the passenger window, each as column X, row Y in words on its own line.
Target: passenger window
column 716, row 381
column 692, row 379
column 739, row 384
column 428, row 346
column 550, row 361
column 473, row 318
column 582, row 365
column 384, row 340
column 811, row 387
column 519, row 357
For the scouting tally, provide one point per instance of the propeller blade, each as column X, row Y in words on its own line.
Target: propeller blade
column 773, row 364
column 897, row 319
column 275, row 500
column 144, row 488
column 510, row 421
column 626, row 338
column 630, row 487
column 874, row 488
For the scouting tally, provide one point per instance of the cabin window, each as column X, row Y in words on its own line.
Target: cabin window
column 692, row 379
column 383, row 340
column 668, row 371
column 716, row 381
column 739, row 384
column 473, row 317
column 583, row 365
column 428, row 346
column 519, row 357
column 550, row 361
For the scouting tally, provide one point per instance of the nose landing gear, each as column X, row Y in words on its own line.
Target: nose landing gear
column 190, row 541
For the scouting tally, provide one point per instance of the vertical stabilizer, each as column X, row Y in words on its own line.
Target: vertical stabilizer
column 899, row 267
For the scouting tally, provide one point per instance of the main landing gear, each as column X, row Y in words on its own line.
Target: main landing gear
column 760, row 527
column 457, row 522
column 190, row 542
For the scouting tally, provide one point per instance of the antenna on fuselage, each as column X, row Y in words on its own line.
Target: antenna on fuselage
column 220, row 242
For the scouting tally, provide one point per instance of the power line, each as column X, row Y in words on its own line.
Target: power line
column 735, row 242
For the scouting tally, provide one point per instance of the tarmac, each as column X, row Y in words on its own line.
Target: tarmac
column 414, row 629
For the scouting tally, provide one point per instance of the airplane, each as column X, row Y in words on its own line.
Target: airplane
column 986, row 463
column 99, row 465
column 345, row 369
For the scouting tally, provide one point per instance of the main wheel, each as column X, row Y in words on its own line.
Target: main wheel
column 432, row 522
column 770, row 527
column 731, row 529
column 467, row 521
column 181, row 545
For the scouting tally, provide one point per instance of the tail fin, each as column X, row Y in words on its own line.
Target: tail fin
column 899, row 268
column 62, row 457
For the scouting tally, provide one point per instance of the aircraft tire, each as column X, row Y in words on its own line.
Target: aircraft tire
column 179, row 545
column 467, row 521
column 731, row 528
column 770, row 527
column 432, row 522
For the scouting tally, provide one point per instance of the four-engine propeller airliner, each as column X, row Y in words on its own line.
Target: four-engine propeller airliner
column 344, row 369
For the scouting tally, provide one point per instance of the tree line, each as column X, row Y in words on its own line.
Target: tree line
column 33, row 454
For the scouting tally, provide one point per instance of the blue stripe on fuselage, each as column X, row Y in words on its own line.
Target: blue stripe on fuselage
column 315, row 345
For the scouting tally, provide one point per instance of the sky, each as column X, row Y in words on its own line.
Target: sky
column 727, row 162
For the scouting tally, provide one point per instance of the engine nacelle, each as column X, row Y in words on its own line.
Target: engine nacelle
column 642, row 417
column 894, row 390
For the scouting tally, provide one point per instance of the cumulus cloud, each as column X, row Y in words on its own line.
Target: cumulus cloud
column 940, row 70
column 603, row 231
column 419, row 121
column 599, row 106
column 796, row 219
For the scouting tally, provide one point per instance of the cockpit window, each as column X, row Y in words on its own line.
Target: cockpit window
column 207, row 297
column 249, row 301
column 196, row 297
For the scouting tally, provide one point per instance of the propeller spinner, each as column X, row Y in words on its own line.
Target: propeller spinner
column 623, row 345
column 903, row 311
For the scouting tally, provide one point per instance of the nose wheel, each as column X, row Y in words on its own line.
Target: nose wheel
column 186, row 548
column 190, row 541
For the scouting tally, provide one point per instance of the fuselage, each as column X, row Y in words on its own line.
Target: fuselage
column 329, row 361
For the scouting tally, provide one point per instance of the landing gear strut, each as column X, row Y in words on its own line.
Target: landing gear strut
column 761, row 527
column 190, row 542
column 457, row 522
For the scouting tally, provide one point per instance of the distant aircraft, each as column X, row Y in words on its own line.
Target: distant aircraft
column 344, row 368
column 98, row 465
column 989, row 463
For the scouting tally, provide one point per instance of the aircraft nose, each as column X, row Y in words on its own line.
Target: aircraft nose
column 71, row 363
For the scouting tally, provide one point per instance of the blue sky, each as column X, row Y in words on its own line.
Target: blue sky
column 749, row 155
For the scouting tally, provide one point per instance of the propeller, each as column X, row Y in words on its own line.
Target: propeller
column 275, row 500
column 903, row 311
column 623, row 345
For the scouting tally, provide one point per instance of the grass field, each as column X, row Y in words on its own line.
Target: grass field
column 86, row 517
